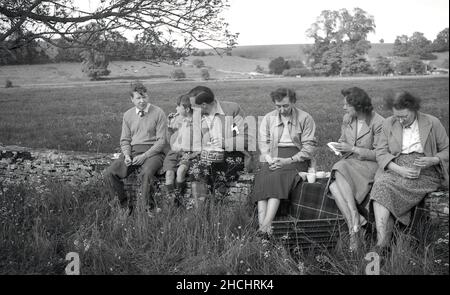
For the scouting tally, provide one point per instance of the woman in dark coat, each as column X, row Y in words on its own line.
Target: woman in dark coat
column 413, row 156
column 353, row 175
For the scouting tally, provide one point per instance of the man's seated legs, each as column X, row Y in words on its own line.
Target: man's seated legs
column 114, row 173
column 148, row 175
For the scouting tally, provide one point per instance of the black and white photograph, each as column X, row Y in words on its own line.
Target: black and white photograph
column 241, row 139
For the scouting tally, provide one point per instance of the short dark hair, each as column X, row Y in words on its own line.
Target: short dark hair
column 402, row 100
column 359, row 99
column 281, row 93
column 202, row 94
column 184, row 100
column 137, row 87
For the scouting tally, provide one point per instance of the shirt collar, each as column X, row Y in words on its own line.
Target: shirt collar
column 217, row 110
column 279, row 121
column 145, row 110
column 412, row 126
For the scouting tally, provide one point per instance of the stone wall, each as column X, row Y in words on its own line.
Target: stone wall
column 20, row 165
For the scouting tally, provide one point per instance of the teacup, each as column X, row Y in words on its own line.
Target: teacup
column 417, row 169
column 311, row 177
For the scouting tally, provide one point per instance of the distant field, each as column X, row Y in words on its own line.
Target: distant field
column 295, row 51
column 219, row 68
column 245, row 59
column 62, row 117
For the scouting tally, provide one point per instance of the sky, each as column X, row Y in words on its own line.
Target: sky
column 264, row 22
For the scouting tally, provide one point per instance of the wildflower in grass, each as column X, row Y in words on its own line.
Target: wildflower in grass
column 441, row 241
column 301, row 267
column 86, row 245
column 322, row 259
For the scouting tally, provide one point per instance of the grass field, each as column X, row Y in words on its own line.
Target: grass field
column 39, row 226
column 61, row 118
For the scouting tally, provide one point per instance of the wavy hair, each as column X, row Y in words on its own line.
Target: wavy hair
column 359, row 99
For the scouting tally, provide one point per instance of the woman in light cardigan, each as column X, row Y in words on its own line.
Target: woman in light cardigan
column 413, row 156
column 287, row 143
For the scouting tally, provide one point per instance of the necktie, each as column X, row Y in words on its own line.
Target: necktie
column 141, row 113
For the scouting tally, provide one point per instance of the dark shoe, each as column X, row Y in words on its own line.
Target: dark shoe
column 265, row 237
column 181, row 187
column 123, row 203
column 179, row 194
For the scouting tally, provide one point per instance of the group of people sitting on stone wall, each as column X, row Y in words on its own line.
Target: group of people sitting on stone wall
column 388, row 165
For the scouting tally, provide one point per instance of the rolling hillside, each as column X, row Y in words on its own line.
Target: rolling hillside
column 295, row 51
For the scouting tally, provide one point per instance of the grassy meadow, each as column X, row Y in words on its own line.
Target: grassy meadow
column 61, row 118
column 40, row 225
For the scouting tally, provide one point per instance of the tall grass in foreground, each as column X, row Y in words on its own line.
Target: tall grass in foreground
column 40, row 225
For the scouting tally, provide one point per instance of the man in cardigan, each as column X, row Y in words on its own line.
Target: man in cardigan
column 142, row 143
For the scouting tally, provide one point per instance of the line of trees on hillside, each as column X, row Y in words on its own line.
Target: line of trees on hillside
column 341, row 48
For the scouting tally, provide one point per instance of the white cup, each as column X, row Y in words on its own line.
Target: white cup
column 311, row 177
column 417, row 169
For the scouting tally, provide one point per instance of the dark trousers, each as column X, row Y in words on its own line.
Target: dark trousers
column 118, row 170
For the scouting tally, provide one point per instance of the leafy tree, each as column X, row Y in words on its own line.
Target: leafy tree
column 204, row 73
column 94, row 64
column 259, row 69
column 198, row 53
column 24, row 50
column 420, row 46
column 381, row 41
column 278, row 65
column 411, row 66
column 383, row 65
column 401, row 46
column 198, row 63
column 440, row 44
column 294, row 72
column 67, row 52
column 161, row 23
column 178, row 74
column 340, row 42
column 416, row 45
column 292, row 63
